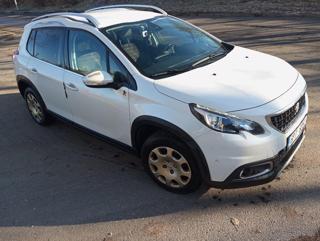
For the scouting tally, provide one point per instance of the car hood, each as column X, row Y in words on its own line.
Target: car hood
column 243, row 79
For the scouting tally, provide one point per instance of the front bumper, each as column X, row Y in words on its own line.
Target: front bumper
column 279, row 162
column 228, row 155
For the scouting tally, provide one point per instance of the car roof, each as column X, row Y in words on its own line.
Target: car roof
column 107, row 15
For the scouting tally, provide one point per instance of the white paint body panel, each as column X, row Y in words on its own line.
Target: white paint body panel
column 103, row 110
column 242, row 79
column 251, row 88
column 49, row 82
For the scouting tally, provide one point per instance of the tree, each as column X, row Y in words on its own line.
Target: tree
column 16, row 4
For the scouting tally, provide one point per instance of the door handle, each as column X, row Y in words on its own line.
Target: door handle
column 72, row 87
column 34, row 70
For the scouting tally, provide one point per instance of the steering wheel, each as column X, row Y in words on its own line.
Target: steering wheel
column 170, row 49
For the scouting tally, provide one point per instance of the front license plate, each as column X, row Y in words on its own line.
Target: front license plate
column 295, row 135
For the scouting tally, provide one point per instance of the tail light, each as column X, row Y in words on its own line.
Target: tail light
column 15, row 54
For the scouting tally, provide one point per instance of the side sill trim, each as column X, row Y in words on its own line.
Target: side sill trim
column 104, row 138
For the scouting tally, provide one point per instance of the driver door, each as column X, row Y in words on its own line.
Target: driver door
column 103, row 110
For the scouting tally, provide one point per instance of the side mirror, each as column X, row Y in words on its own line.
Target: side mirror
column 98, row 79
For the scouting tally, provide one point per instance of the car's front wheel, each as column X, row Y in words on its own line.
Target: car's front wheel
column 170, row 163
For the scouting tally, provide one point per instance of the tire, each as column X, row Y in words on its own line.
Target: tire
column 36, row 107
column 170, row 163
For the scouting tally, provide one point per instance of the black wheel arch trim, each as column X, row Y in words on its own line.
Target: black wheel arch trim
column 142, row 121
column 23, row 79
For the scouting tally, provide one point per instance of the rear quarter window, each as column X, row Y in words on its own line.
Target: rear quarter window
column 30, row 43
column 49, row 45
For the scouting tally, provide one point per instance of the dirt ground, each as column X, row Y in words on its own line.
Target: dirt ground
column 58, row 183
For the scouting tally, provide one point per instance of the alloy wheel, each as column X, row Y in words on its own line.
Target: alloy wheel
column 34, row 107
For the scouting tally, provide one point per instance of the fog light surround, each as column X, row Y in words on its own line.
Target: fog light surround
column 256, row 170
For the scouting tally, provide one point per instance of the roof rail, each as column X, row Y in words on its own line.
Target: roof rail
column 132, row 6
column 87, row 19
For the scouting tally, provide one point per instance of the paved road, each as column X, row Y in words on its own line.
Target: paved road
column 58, row 183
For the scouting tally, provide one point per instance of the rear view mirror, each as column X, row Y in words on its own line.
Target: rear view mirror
column 98, row 79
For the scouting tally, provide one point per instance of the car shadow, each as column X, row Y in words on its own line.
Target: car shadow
column 59, row 175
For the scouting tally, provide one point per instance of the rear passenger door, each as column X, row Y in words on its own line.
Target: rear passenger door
column 47, row 64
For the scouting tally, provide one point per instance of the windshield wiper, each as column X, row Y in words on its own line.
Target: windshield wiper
column 170, row 72
column 208, row 58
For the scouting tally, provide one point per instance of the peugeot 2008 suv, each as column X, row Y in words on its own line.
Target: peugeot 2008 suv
column 194, row 108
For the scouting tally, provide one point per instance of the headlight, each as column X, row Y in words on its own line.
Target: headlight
column 224, row 122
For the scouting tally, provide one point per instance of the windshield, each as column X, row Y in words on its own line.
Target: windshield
column 164, row 45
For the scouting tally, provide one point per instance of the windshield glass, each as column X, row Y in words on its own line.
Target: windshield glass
column 164, row 45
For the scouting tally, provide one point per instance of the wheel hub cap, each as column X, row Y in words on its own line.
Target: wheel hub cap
column 169, row 167
column 34, row 107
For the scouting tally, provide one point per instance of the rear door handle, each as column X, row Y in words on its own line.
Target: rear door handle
column 72, row 87
column 34, row 70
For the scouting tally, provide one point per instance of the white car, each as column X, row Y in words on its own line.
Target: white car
column 194, row 108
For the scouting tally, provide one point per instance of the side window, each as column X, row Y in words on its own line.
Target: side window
column 86, row 53
column 119, row 72
column 49, row 45
column 30, row 44
column 115, row 66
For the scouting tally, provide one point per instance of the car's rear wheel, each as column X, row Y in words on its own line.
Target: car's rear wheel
column 170, row 163
column 36, row 107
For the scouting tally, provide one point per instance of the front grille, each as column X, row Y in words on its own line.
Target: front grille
column 284, row 120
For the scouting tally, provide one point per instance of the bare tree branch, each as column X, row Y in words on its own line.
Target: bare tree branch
column 16, row 4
